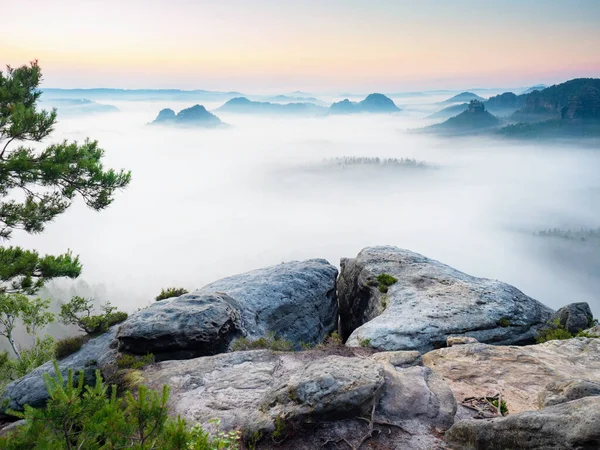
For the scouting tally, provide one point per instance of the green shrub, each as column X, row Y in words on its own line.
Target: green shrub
column 385, row 281
column 69, row 345
column 364, row 342
column 271, row 342
column 79, row 311
column 552, row 331
column 170, row 292
column 503, row 407
column 126, row 361
column 94, row 418
column 331, row 341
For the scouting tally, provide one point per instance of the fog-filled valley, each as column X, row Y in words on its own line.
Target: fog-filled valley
column 208, row 203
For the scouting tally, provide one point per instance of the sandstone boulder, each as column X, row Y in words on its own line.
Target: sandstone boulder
column 575, row 317
column 566, row 390
column 429, row 302
column 519, row 373
column 311, row 399
column 570, row 425
column 183, row 327
column 295, row 300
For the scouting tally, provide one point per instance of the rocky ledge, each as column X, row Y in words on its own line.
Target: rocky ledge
column 428, row 302
column 429, row 358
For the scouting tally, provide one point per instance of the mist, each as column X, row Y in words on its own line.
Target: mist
column 209, row 203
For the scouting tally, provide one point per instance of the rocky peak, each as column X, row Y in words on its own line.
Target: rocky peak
column 475, row 106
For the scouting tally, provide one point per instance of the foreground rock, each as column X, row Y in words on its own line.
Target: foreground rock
column 571, row 425
column 31, row 389
column 429, row 302
column 566, row 390
column 311, row 399
column 575, row 317
column 519, row 373
column 184, row 327
column 593, row 332
column 295, row 300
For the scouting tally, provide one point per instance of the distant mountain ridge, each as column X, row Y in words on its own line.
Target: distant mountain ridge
column 373, row 103
column 462, row 98
column 244, row 105
column 196, row 116
column 537, row 87
column 76, row 107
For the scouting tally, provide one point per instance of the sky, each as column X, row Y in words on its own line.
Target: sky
column 309, row 45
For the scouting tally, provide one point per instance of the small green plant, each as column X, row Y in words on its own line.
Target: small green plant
column 583, row 334
column 306, row 345
column 170, row 292
column 271, row 342
column 253, row 441
column 69, row 345
column 385, row 281
column 224, row 440
column 126, row 361
column 385, row 298
column 364, row 342
column 280, row 432
column 503, row 407
column 79, row 311
column 503, row 322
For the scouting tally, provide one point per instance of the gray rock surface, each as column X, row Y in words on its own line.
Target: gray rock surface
column 572, row 425
column 31, row 389
column 333, row 385
column 574, row 317
column 566, row 390
column 183, row 327
column 429, row 303
column 12, row 426
column 295, row 300
column 318, row 396
column 593, row 332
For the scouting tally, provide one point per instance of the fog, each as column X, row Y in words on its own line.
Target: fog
column 205, row 204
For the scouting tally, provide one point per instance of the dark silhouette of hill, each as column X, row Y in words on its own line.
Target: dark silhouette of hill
column 569, row 110
column 373, row 103
column 196, row 116
column 474, row 119
column 505, row 104
column 575, row 99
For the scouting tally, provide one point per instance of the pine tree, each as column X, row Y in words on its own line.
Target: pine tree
column 38, row 185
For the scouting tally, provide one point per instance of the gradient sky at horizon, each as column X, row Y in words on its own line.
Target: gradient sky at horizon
column 310, row 45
